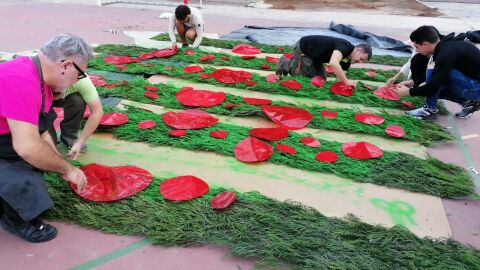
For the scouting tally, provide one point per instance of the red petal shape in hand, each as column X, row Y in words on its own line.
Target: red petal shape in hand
column 151, row 95
column 288, row 55
column 189, row 119
column 207, row 57
column 292, row 84
column 106, row 184
column 151, row 88
column 252, row 150
column 147, row 124
column 270, row 134
column 120, row 60
column 246, row 49
column 369, row 119
column 329, row 114
column 272, row 60
column 192, row 69
column 371, row 73
column 223, row 200
column 387, row 93
column 317, row 81
column 265, row 66
column 229, row 76
column 395, row 131
column 310, row 141
column 219, row 134
column 286, row 149
column 189, row 52
column 289, row 117
column 361, row 150
column 200, row 98
column 114, row 119
column 183, row 188
column 341, row 88
column 327, row 156
column 177, row 132
column 273, row 78
column 257, row 101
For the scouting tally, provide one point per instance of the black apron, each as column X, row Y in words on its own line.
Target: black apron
column 23, row 186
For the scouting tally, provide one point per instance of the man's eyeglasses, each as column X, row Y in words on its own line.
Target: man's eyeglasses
column 81, row 74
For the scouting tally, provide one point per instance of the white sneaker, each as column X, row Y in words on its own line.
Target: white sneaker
column 423, row 113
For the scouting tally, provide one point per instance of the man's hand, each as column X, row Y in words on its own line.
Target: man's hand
column 174, row 46
column 75, row 150
column 408, row 83
column 402, row 90
column 351, row 83
column 391, row 81
column 77, row 177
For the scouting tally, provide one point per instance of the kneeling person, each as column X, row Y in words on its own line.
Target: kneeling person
column 189, row 24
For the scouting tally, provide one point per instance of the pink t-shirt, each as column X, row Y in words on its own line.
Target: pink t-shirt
column 20, row 93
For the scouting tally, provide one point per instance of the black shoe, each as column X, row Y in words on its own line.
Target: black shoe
column 34, row 231
column 468, row 108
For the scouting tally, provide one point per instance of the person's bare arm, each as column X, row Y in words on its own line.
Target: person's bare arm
column 29, row 145
column 336, row 68
column 48, row 139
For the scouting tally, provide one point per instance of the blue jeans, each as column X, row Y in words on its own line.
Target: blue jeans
column 459, row 88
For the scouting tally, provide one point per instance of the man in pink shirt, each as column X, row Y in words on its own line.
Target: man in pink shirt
column 27, row 87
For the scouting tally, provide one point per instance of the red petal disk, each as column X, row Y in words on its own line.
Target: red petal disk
column 272, row 60
column 151, row 95
column 177, row 132
column 341, row 88
column 87, row 112
column 292, row 84
column 395, row 131
column 230, row 105
column 122, row 67
column 225, row 58
column 192, row 69
column 327, row 156
column 183, row 188
column 163, row 53
column 329, row 114
column 223, row 200
column 204, row 75
column 114, row 119
column 189, row 119
column 371, row 73
column 408, row 104
column 219, row 134
column 120, row 60
column 98, row 82
column 387, row 93
column 252, row 150
column 207, row 57
column 361, row 150
column 369, row 119
column 200, row 98
column 168, row 67
column 270, row 134
column 328, row 69
column 310, row 141
column 317, row 81
column 273, row 78
column 106, row 184
column 189, row 52
column 286, row 149
column 246, row 49
column 289, row 117
column 95, row 77
column 229, row 76
column 257, row 101
column 247, row 57
column 288, row 55
column 151, row 88
column 265, row 66
column 147, row 124
column 250, row 83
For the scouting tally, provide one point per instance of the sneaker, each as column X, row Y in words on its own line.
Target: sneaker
column 281, row 69
column 423, row 113
column 34, row 231
column 468, row 108
column 69, row 142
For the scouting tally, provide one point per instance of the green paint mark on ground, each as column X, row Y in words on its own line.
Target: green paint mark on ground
column 400, row 212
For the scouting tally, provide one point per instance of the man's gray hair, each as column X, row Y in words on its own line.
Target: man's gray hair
column 67, row 45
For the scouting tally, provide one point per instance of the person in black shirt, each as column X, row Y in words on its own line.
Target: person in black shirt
column 453, row 73
column 311, row 53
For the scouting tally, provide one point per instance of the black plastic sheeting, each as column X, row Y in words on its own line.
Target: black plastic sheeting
column 289, row 35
